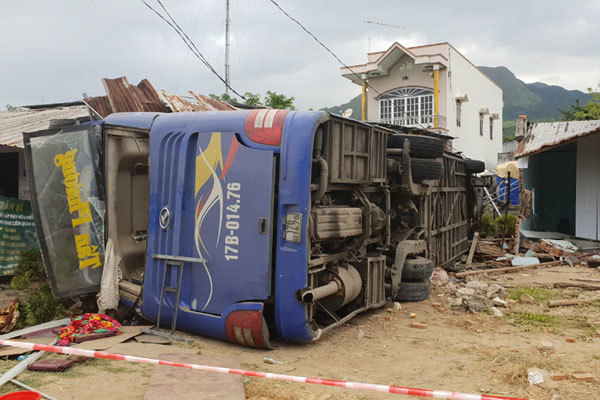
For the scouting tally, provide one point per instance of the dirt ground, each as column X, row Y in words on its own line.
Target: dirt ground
column 458, row 351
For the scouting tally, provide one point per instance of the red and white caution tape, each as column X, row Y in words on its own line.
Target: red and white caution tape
column 438, row 394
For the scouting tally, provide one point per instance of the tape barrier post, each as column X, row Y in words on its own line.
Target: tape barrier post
column 438, row 394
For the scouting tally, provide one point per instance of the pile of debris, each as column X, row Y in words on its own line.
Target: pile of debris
column 500, row 256
column 476, row 296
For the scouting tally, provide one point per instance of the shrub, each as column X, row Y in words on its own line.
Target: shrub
column 488, row 225
column 40, row 305
column 511, row 225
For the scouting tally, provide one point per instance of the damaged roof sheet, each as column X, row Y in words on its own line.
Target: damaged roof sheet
column 542, row 136
column 14, row 123
column 195, row 102
column 121, row 96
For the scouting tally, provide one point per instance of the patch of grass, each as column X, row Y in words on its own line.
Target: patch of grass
column 533, row 319
column 539, row 294
column 595, row 303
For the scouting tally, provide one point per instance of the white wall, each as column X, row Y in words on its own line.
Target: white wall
column 587, row 194
column 416, row 78
column 461, row 77
column 482, row 93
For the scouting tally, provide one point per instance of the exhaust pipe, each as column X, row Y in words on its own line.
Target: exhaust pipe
column 322, row 291
column 343, row 286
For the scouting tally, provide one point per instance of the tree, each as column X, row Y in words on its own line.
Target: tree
column 281, row 101
column 224, row 97
column 12, row 108
column 252, row 99
column 577, row 112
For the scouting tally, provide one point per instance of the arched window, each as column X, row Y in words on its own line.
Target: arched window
column 410, row 106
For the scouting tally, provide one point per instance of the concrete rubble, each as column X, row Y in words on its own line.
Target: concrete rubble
column 477, row 296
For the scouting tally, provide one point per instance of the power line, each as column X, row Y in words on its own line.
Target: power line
column 328, row 49
column 188, row 42
column 319, row 41
column 187, row 53
column 130, row 43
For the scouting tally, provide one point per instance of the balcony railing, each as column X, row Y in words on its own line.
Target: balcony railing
column 425, row 122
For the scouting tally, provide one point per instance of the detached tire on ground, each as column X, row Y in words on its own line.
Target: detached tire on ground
column 425, row 169
column 413, row 291
column 474, row 166
column 417, row 268
column 420, row 146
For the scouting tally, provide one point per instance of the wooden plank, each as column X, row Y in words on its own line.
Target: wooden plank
column 472, row 250
column 32, row 329
column 575, row 285
column 569, row 302
column 509, row 269
column 188, row 384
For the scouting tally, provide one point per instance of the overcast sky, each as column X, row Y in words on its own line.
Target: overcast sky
column 54, row 51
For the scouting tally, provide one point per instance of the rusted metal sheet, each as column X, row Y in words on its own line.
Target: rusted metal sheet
column 542, row 136
column 14, row 123
column 100, row 105
column 195, row 102
column 124, row 97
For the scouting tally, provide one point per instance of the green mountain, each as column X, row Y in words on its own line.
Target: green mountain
column 354, row 104
column 538, row 100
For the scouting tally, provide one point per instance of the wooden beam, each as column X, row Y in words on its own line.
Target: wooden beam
column 569, row 302
column 508, row 269
column 472, row 250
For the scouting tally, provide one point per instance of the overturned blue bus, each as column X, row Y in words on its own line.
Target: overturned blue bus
column 246, row 224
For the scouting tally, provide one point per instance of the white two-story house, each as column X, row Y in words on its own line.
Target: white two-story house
column 437, row 88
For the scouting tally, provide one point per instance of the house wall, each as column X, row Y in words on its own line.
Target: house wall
column 482, row 93
column 587, row 197
column 416, row 78
column 551, row 176
column 461, row 77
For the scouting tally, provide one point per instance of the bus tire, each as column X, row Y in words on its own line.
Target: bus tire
column 425, row 169
column 413, row 291
column 474, row 166
column 417, row 268
column 420, row 146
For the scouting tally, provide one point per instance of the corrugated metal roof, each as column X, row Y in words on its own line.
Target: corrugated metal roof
column 121, row 96
column 195, row 102
column 542, row 136
column 124, row 97
column 14, row 123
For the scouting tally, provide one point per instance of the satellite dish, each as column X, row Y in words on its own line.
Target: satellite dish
column 347, row 113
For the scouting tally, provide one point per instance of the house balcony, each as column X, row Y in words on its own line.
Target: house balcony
column 423, row 122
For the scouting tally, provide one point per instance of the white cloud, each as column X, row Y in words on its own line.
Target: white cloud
column 54, row 51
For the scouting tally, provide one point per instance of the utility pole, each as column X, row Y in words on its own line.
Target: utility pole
column 227, row 23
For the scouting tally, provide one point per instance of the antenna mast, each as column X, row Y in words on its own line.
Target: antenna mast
column 227, row 23
column 378, row 23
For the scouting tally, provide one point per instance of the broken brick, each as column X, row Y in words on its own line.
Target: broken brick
column 388, row 318
column 558, row 376
column 586, row 377
column 418, row 325
column 570, row 340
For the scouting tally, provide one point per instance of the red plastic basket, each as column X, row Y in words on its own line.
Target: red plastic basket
column 22, row 395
